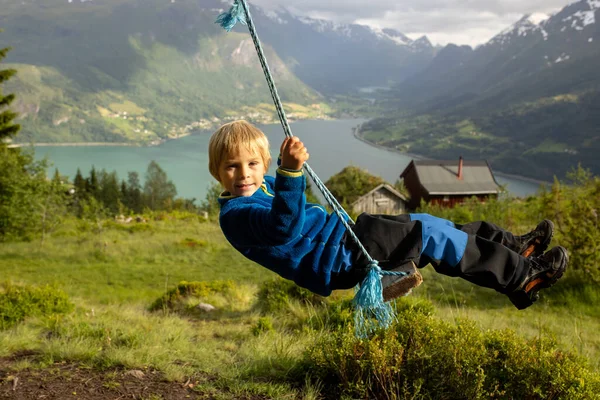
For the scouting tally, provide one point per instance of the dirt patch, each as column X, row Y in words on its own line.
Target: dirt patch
column 73, row 381
column 69, row 381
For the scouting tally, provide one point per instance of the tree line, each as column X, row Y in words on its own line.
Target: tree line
column 125, row 196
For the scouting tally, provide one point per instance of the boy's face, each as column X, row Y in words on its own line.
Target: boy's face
column 242, row 173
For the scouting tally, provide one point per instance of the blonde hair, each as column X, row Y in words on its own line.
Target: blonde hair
column 232, row 136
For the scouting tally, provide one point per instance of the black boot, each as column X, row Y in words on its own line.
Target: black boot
column 535, row 243
column 543, row 272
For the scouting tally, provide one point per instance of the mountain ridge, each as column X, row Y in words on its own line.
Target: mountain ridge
column 527, row 100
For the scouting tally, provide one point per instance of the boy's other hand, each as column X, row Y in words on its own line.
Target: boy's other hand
column 293, row 153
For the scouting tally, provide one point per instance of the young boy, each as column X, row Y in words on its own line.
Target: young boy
column 268, row 220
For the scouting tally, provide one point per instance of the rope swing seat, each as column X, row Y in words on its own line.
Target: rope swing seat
column 372, row 312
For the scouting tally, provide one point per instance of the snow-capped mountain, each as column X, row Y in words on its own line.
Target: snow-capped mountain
column 339, row 57
column 558, row 48
column 577, row 16
column 526, row 26
column 348, row 31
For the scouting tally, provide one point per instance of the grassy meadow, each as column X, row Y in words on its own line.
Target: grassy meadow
column 113, row 272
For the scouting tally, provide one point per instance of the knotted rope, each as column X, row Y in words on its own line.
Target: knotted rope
column 371, row 311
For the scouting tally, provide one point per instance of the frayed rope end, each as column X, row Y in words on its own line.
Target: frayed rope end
column 228, row 19
column 371, row 311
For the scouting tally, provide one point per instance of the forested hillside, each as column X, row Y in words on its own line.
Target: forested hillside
column 134, row 71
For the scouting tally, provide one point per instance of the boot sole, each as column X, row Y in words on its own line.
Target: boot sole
column 404, row 285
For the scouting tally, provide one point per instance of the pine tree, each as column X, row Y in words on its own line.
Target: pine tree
column 7, row 128
column 80, row 194
column 134, row 192
column 91, row 183
column 108, row 191
column 79, row 184
column 124, row 194
column 159, row 192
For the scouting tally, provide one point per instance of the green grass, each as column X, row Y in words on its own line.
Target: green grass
column 113, row 275
column 128, row 107
column 113, row 278
column 114, row 265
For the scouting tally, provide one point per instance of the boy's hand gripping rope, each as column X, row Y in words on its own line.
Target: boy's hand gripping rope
column 371, row 311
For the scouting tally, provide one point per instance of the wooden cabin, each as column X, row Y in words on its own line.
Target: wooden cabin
column 384, row 199
column 448, row 183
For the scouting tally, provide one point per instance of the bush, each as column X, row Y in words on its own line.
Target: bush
column 421, row 357
column 20, row 302
column 186, row 289
column 337, row 315
column 275, row 295
column 264, row 324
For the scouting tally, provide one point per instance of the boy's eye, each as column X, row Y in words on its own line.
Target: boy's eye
column 254, row 163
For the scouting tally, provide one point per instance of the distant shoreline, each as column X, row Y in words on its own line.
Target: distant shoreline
column 356, row 133
column 522, row 178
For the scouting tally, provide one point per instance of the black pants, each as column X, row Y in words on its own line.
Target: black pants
column 487, row 260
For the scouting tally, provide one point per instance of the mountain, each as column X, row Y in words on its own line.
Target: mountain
column 528, row 99
column 514, row 57
column 342, row 57
column 145, row 70
column 133, row 71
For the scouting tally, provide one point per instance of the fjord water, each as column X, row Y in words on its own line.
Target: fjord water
column 331, row 144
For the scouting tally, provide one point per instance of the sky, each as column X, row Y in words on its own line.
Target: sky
column 469, row 22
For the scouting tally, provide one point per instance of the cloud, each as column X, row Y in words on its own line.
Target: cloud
column 443, row 21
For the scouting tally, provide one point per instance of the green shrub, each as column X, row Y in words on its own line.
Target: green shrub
column 264, row 324
column 19, row 302
column 275, row 295
column 339, row 314
column 422, row 357
column 186, row 289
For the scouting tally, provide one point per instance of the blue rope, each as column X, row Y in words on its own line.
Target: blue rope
column 371, row 311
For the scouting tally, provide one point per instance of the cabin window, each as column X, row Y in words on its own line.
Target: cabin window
column 446, row 199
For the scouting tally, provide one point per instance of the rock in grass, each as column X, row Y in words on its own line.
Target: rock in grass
column 136, row 373
column 206, row 307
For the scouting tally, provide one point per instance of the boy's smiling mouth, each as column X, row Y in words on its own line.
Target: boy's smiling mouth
column 244, row 186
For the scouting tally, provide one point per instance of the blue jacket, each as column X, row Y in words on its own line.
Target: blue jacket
column 277, row 229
